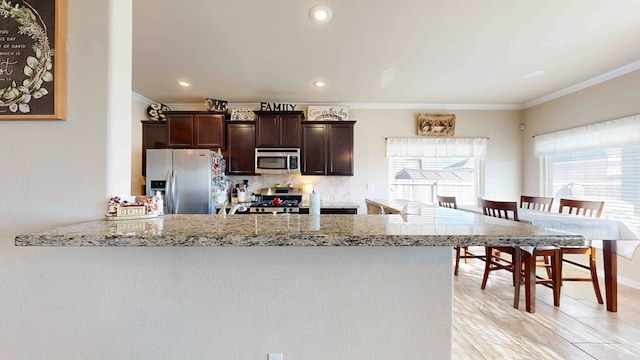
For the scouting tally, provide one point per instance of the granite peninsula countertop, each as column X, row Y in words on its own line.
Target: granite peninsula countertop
column 332, row 205
column 434, row 226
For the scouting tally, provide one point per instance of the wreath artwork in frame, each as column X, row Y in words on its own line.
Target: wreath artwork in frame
column 32, row 60
column 436, row 124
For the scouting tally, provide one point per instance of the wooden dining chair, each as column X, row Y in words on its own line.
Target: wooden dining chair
column 493, row 255
column 509, row 210
column 451, row 202
column 539, row 203
column 588, row 209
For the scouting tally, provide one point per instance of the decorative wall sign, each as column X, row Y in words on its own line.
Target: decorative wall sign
column 336, row 113
column 264, row 106
column 216, row 105
column 242, row 114
column 33, row 59
column 436, row 124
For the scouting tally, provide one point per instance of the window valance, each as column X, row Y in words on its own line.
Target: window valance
column 436, row 147
column 599, row 135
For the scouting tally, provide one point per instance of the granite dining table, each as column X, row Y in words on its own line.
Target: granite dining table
column 370, row 286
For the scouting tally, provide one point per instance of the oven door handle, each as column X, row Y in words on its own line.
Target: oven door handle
column 288, row 164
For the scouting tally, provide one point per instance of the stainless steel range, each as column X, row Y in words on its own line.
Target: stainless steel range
column 278, row 201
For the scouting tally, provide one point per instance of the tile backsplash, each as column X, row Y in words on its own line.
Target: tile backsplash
column 330, row 188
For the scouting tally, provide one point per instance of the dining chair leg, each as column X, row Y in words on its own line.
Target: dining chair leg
column 547, row 266
column 488, row 251
column 530, row 282
column 517, row 272
column 594, row 275
column 455, row 270
column 556, row 276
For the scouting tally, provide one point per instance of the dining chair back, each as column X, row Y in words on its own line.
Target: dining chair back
column 581, row 207
column 448, row 201
column 539, row 203
column 500, row 209
column 589, row 209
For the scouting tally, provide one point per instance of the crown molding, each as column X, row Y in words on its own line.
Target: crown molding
column 141, row 98
column 585, row 84
column 402, row 106
column 369, row 106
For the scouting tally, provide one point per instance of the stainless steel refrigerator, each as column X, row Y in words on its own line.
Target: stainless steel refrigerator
column 184, row 177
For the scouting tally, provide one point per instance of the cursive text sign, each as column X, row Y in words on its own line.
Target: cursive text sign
column 335, row 113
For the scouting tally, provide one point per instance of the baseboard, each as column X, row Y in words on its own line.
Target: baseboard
column 628, row 282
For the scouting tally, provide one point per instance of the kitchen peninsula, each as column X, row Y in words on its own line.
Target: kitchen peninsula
column 343, row 287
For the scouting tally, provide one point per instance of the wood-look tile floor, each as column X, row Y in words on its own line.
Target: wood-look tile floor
column 486, row 326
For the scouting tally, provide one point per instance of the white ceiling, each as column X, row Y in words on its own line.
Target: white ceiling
column 375, row 51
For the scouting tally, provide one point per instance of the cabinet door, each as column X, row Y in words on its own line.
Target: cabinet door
column 208, row 131
column 290, row 130
column 154, row 136
column 241, row 147
column 267, row 130
column 180, row 131
column 340, row 149
column 313, row 149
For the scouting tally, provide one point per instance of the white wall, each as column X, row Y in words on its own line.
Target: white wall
column 613, row 99
column 139, row 106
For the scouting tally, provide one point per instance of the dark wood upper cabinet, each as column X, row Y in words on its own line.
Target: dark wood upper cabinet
column 209, row 131
column 278, row 129
column 241, row 146
column 327, row 147
column 193, row 129
column 154, row 136
column 340, row 149
column 314, row 159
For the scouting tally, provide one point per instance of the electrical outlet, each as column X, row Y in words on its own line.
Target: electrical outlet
column 275, row 356
column 370, row 186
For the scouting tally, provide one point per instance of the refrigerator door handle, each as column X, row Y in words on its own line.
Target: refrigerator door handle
column 168, row 197
column 175, row 192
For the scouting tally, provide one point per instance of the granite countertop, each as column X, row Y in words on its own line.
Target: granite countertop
column 332, row 205
column 434, row 226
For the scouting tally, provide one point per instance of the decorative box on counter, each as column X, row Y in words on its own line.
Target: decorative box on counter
column 133, row 207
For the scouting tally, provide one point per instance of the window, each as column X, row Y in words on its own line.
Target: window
column 422, row 168
column 595, row 162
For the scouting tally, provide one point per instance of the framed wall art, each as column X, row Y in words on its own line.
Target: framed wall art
column 33, row 59
column 436, row 124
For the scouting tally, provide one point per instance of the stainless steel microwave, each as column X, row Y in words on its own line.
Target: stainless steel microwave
column 278, row 160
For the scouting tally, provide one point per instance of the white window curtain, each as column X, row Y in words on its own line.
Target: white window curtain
column 422, row 168
column 436, row 147
column 595, row 162
column 600, row 135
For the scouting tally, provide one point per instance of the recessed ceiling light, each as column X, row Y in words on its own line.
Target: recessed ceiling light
column 183, row 83
column 321, row 14
column 534, row 74
column 319, row 83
